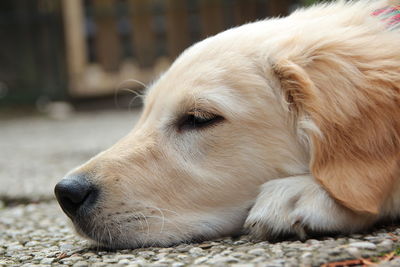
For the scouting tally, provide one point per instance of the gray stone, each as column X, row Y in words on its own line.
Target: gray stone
column 75, row 258
column 15, row 248
column 177, row 264
column 363, row 245
column 183, row 248
column 334, row 251
column 66, row 247
column 306, row 255
column 81, row 264
column 89, row 255
column 257, row 251
column 31, row 244
column 110, row 260
column 196, row 251
column 47, row 261
column 164, row 261
column 125, row 256
column 223, row 260
column 124, row 262
column 182, row 256
column 200, row 260
column 243, row 265
column 353, row 251
column 386, row 244
column 25, row 258
column 138, row 262
column 146, row 254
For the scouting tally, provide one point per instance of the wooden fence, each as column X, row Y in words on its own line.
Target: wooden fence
column 31, row 51
column 110, row 41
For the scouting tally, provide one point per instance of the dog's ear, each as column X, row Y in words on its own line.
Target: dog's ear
column 354, row 109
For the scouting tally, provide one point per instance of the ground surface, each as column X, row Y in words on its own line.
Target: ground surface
column 36, row 151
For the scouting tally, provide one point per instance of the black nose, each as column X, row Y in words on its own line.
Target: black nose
column 75, row 194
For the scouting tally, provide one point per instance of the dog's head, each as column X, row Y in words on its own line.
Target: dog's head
column 252, row 104
column 210, row 133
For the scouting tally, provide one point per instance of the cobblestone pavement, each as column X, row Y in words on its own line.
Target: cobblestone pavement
column 40, row 234
column 37, row 151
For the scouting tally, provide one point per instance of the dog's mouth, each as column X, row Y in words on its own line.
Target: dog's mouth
column 103, row 233
column 129, row 230
column 112, row 235
column 126, row 229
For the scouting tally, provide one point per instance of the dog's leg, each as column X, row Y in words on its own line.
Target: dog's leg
column 299, row 205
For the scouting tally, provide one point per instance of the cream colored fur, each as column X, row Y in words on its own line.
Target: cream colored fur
column 276, row 162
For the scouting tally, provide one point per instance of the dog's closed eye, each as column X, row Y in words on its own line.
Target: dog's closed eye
column 198, row 119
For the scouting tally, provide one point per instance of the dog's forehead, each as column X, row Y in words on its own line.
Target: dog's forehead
column 214, row 73
column 185, row 96
column 187, row 85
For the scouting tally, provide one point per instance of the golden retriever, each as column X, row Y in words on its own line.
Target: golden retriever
column 283, row 126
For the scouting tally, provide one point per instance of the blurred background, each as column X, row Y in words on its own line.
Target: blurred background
column 75, row 50
column 70, row 71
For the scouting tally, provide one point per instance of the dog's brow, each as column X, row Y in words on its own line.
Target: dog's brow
column 200, row 104
column 220, row 100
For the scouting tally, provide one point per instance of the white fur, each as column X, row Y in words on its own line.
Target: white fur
column 297, row 205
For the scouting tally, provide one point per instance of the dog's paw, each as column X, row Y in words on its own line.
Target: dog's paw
column 299, row 206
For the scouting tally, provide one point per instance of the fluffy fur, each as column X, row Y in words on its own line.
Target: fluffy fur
column 309, row 141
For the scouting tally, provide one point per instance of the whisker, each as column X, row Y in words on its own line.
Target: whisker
column 158, row 208
column 170, row 221
column 163, row 219
column 109, row 233
column 141, row 225
column 148, row 228
column 131, row 80
column 174, row 212
column 124, row 87
column 132, row 101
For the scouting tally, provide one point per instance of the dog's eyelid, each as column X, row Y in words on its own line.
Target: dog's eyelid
column 198, row 119
column 200, row 113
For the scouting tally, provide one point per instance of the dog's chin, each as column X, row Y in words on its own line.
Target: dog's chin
column 104, row 238
column 109, row 235
column 112, row 241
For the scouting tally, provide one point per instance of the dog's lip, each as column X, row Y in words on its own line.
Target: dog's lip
column 84, row 225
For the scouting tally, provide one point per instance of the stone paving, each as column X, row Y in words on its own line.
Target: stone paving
column 36, row 151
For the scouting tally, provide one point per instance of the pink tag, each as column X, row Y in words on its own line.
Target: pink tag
column 390, row 15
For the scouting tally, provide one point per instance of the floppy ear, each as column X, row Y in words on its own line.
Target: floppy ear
column 354, row 105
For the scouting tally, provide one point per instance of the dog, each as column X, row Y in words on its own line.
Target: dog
column 283, row 126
